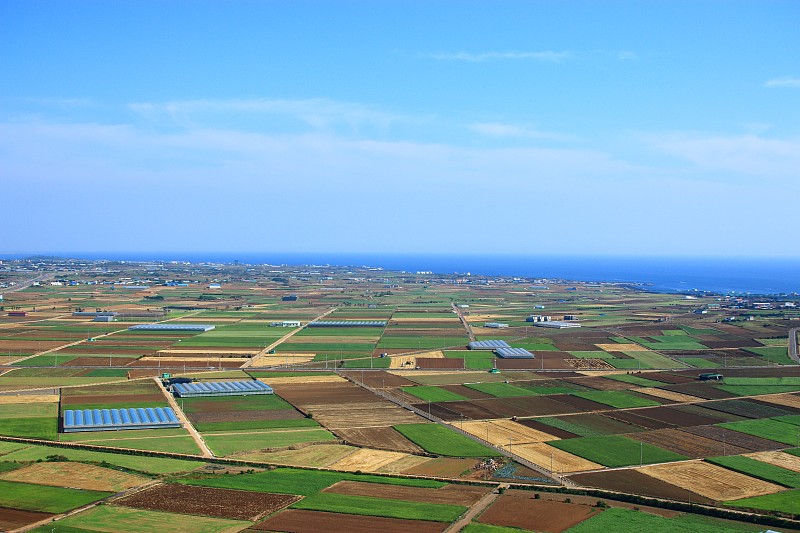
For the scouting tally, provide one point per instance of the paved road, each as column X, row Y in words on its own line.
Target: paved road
column 26, row 284
column 793, row 344
column 464, row 321
column 283, row 339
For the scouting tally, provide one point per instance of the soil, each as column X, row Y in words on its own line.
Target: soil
column 674, row 416
column 580, row 404
column 734, row 438
column 600, row 383
column 427, row 363
column 16, row 518
column 380, row 413
column 379, row 379
column 244, row 416
column 206, row 501
column 443, row 467
column 560, row 433
column 324, row 393
column 750, row 409
column 702, row 390
column 633, row 482
column 524, row 512
column 383, row 438
column 300, row 521
column 449, row 494
column 687, row 444
column 639, row 420
column 528, row 406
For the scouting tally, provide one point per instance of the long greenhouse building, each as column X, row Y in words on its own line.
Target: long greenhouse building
column 220, row 388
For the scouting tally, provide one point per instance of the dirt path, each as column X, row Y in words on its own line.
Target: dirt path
column 793, row 344
column 476, row 509
column 464, row 322
column 283, row 339
column 201, row 444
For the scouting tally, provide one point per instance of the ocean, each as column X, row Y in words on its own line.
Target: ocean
column 663, row 274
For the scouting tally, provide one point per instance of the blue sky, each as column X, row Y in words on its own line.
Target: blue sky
column 560, row 127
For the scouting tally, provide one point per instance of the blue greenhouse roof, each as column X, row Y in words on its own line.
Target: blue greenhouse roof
column 488, row 345
column 221, row 388
column 514, row 353
column 172, row 327
column 117, row 419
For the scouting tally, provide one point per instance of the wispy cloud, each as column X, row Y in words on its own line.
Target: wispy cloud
column 496, row 129
column 544, row 55
column 318, row 113
column 786, row 81
column 627, row 55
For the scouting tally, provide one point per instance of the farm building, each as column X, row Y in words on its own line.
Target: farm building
column 347, row 324
column 220, row 388
column 94, row 313
column 513, row 353
column 118, row 419
column 136, row 287
column 17, row 313
column 487, row 345
column 290, row 298
column 557, row 324
column 538, row 318
column 103, row 318
column 172, row 327
column 496, row 325
column 286, row 324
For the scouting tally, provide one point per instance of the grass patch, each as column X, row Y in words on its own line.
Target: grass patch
column 774, row 354
column 40, row 428
column 114, row 518
column 614, row 398
column 430, row 393
column 294, row 481
column 761, row 470
column 626, row 521
column 616, row 450
column 226, row 444
column 206, row 427
column 440, row 440
column 43, row 498
column 785, row 502
column 699, row 362
column 500, row 390
column 364, row 505
column 766, row 428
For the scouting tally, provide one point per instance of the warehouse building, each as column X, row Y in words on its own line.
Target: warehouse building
column 220, row 388
column 513, row 353
column 172, row 327
column 347, row 324
column 103, row 318
column 496, row 325
column 286, row 324
column 557, row 324
column 119, row 419
column 488, row 345
column 94, row 313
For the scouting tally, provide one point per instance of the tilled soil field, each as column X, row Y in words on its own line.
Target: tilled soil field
column 701, row 390
column 734, row 438
column 449, row 494
column 324, row 393
column 382, row 438
column 560, row 433
column 442, row 467
column 694, row 446
column 206, row 501
column 529, row 406
column 576, row 403
column 300, row 521
column 600, row 383
column 674, row 416
column 379, row 379
column 634, row 482
column 522, row 511
column 750, row 409
column 639, row 420
column 353, row 415
column 11, row 519
column 466, row 392
column 602, row 425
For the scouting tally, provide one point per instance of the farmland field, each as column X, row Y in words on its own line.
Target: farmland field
column 440, row 440
column 615, row 451
column 44, row 498
column 388, row 508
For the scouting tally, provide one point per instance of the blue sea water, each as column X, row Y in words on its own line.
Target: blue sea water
column 668, row 274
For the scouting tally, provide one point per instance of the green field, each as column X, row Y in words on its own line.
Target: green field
column 229, row 443
column 44, row 498
column 774, row 354
column 626, row 521
column 294, row 481
column 428, row 393
column 785, row 502
column 765, row 471
column 364, row 505
column 207, row 427
column 616, row 450
column 768, row 429
column 36, row 420
column 114, row 518
column 614, row 398
column 501, row 390
column 440, row 440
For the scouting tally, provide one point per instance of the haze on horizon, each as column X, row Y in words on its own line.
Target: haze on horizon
column 620, row 127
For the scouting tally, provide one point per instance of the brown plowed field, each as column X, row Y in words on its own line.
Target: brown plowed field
column 353, row 415
column 99, row 361
column 577, row 404
column 383, row 438
column 300, row 521
column 659, row 394
column 750, row 409
column 687, row 444
column 600, row 383
column 674, row 416
column 206, row 501
column 734, row 438
column 29, row 346
column 604, row 425
column 449, row 494
column 428, row 363
column 324, row 393
column 701, row 390
column 633, row 418
column 527, row 406
column 524, row 512
column 11, row 519
column 787, row 400
column 471, row 410
column 634, row 482
column 136, row 387
column 667, row 377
